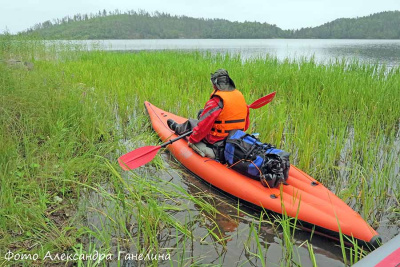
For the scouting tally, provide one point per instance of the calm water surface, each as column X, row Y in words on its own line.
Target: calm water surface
column 323, row 50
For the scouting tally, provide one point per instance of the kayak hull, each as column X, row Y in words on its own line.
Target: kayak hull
column 303, row 197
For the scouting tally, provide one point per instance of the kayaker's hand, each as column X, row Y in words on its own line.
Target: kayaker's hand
column 190, row 144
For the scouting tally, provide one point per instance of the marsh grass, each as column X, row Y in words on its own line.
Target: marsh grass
column 66, row 118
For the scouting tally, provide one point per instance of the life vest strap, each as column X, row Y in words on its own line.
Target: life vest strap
column 223, row 131
column 230, row 121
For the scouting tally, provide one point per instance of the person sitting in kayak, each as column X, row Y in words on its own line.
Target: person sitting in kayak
column 226, row 110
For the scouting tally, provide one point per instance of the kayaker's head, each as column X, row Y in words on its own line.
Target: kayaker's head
column 221, row 80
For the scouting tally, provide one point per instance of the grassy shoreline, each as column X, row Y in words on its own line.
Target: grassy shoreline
column 68, row 115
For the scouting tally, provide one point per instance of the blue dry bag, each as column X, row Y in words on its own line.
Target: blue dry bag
column 248, row 155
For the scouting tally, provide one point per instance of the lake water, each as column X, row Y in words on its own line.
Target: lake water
column 323, row 50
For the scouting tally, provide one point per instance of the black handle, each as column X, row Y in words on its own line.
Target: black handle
column 176, row 139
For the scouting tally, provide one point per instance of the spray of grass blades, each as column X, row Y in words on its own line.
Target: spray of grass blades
column 67, row 114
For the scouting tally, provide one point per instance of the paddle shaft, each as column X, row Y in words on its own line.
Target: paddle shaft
column 176, row 139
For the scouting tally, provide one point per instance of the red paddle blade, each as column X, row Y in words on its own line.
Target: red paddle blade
column 138, row 157
column 262, row 101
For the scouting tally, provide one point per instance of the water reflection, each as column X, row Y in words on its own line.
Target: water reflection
column 375, row 53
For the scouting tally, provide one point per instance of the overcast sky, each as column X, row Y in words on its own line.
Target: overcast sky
column 18, row 15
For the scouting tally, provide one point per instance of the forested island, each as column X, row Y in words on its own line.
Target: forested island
column 143, row 25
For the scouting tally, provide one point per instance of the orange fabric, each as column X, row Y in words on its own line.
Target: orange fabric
column 233, row 115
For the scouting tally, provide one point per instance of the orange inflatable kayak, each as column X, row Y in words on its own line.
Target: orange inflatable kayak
column 314, row 205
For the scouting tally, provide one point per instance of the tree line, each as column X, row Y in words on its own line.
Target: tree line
column 384, row 25
column 143, row 25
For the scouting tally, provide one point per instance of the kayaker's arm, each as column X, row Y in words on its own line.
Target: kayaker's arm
column 211, row 111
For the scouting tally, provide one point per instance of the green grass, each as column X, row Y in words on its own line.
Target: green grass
column 64, row 122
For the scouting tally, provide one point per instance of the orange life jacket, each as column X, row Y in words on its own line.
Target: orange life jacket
column 233, row 115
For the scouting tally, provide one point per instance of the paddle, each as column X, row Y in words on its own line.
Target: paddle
column 262, row 101
column 143, row 155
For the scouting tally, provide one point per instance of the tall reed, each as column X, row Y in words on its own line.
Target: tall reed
column 67, row 114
